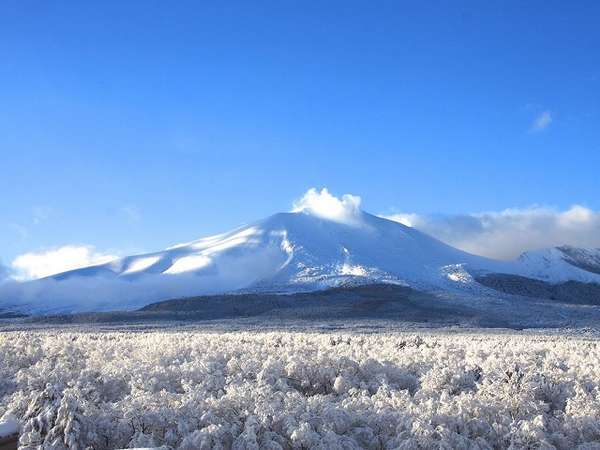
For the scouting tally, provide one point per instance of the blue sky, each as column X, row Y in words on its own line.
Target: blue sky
column 130, row 126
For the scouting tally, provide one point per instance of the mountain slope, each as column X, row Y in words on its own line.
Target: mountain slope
column 299, row 251
column 585, row 259
column 561, row 264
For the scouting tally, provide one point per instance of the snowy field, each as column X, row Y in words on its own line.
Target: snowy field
column 203, row 388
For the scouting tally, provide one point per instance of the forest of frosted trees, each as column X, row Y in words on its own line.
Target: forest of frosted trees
column 294, row 390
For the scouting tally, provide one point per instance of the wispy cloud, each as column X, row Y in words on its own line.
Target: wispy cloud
column 40, row 214
column 542, row 121
column 21, row 230
column 132, row 213
column 506, row 234
column 56, row 260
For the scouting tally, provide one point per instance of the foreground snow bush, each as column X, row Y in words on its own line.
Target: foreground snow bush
column 274, row 390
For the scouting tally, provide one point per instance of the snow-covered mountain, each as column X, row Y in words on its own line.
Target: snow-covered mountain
column 288, row 252
column 560, row 264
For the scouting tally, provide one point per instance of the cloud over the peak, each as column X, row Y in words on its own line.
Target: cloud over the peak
column 323, row 204
column 56, row 260
column 506, row 234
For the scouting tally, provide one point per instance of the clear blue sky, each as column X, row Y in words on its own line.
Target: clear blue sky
column 135, row 125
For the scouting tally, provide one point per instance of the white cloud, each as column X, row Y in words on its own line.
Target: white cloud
column 507, row 234
column 542, row 121
column 327, row 206
column 50, row 262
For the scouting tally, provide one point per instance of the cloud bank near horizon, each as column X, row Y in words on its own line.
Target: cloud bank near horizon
column 506, row 234
column 39, row 264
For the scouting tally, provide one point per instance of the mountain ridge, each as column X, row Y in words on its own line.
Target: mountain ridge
column 291, row 252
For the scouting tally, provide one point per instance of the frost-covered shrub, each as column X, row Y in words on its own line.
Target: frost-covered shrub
column 293, row 390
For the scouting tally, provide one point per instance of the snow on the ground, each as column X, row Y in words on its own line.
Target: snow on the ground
column 304, row 389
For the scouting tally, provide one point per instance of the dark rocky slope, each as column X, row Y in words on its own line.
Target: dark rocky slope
column 574, row 292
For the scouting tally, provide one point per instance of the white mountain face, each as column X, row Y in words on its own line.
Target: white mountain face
column 287, row 252
column 586, row 259
column 560, row 264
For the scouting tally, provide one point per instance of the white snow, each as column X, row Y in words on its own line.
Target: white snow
column 551, row 265
column 357, row 271
column 188, row 264
column 248, row 235
column 140, row 264
column 457, row 273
